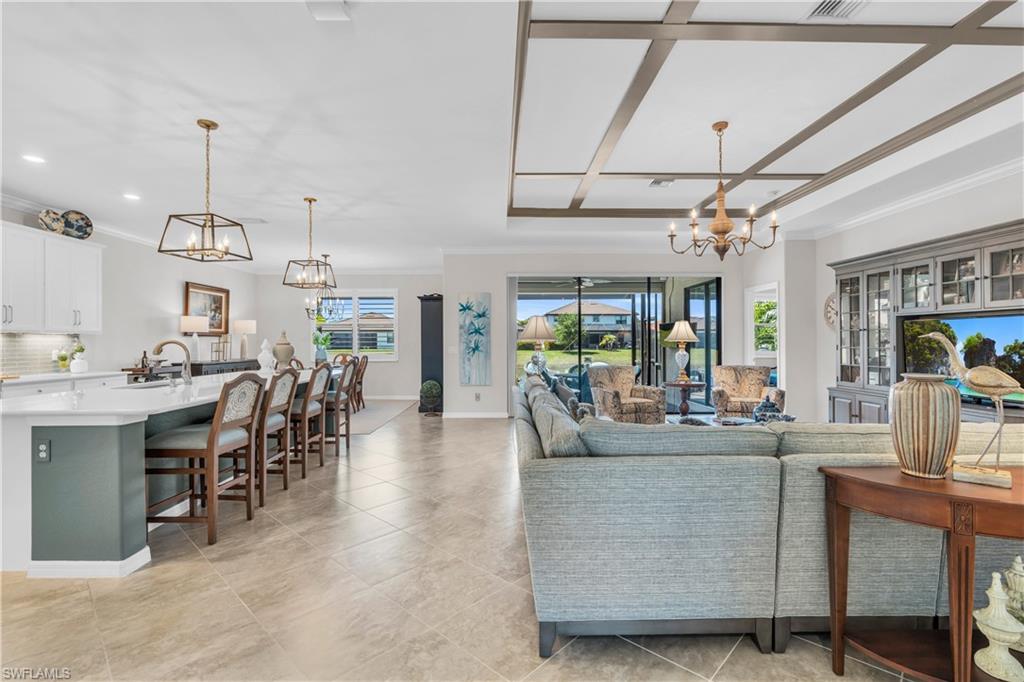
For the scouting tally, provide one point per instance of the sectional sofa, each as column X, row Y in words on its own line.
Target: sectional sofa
column 669, row 529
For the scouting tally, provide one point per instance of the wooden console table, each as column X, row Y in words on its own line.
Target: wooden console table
column 962, row 510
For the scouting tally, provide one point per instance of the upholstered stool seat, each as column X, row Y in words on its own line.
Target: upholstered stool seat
column 333, row 395
column 276, row 421
column 307, row 418
column 199, row 450
column 195, row 437
column 273, row 425
column 312, row 409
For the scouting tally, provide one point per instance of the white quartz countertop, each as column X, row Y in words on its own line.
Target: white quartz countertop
column 61, row 376
column 121, row 404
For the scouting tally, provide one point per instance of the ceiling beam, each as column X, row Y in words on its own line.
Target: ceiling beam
column 1010, row 87
column 671, row 213
column 783, row 33
column 969, row 23
column 710, row 175
column 657, row 52
column 522, row 42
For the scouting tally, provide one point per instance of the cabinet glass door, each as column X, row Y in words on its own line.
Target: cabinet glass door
column 877, row 357
column 1004, row 285
column 849, row 312
column 958, row 280
column 916, row 286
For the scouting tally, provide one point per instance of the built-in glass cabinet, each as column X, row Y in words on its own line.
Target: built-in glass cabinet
column 915, row 286
column 1004, row 286
column 848, row 313
column 959, row 275
column 878, row 329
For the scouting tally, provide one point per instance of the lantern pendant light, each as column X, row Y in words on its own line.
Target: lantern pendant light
column 205, row 236
column 309, row 272
column 316, row 305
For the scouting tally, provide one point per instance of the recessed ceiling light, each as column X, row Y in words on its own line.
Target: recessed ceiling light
column 31, row 158
column 131, row 197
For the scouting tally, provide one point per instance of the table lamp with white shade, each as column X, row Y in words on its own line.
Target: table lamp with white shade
column 195, row 325
column 243, row 327
column 539, row 331
column 682, row 334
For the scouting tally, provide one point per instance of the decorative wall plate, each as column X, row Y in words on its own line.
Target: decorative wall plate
column 830, row 310
column 77, row 225
column 51, row 221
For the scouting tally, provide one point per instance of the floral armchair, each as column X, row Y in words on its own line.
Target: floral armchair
column 616, row 395
column 739, row 388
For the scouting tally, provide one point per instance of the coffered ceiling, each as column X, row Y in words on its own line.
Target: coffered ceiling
column 400, row 120
column 610, row 96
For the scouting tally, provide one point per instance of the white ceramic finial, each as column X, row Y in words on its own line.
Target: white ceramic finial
column 1002, row 631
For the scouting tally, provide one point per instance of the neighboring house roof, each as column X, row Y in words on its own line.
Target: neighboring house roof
column 589, row 308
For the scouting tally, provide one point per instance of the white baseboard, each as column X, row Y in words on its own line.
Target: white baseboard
column 176, row 510
column 392, row 397
column 89, row 569
column 475, row 415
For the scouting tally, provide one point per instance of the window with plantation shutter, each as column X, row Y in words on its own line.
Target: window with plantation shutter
column 362, row 323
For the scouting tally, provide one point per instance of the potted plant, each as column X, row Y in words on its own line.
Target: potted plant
column 78, row 362
column 322, row 341
column 430, row 396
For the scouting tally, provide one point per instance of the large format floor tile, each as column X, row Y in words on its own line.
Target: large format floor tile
column 403, row 560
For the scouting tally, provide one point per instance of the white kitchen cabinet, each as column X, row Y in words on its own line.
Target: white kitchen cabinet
column 22, row 261
column 73, row 287
column 51, row 283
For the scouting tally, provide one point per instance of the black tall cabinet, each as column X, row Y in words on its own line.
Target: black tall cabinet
column 432, row 342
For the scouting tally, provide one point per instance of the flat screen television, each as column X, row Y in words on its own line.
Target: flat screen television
column 996, row 340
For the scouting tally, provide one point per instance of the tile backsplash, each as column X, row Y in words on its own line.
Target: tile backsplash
column 30, row 353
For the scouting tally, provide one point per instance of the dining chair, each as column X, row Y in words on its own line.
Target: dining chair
column 357, row 399
column 231, row 434
column 295, row 363
column 307, row 410
column 274, row 418
column 341, row 359
column 339, row 408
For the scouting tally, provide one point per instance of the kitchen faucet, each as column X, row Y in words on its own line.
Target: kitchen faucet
column 186, row 367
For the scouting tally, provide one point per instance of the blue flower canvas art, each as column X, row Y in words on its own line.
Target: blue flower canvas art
column 475, row 339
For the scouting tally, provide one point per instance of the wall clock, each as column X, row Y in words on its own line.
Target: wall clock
column 830, row 310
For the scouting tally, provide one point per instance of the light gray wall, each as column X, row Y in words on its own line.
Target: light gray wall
column 143, row 298
column 473, row 273
column 283, row 308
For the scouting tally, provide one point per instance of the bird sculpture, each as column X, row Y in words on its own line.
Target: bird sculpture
column 989, row 381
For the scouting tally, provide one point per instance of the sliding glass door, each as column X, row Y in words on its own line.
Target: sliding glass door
column 702, row 306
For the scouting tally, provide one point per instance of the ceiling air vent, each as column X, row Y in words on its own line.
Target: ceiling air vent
column 836, row 10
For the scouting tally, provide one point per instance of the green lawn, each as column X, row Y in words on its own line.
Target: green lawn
column 561, row 361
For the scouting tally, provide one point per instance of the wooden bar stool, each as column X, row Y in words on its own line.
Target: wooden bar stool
column 339, row 407
column 232, row 434
column 310, row 409
column 274, row 424
column 357, row 397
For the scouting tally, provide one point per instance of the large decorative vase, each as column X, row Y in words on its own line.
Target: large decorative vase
column 925, row 423
column 79, row 364
column 284, row 351
column 266, row 357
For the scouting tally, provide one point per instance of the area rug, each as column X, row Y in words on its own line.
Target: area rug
column 376, row 414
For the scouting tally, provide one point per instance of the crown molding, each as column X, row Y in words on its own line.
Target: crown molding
column 963, row 184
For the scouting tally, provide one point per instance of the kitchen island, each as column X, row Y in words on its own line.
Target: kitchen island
column 73, row 472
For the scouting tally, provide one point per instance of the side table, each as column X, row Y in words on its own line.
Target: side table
column 684, row 388
column 962, row 510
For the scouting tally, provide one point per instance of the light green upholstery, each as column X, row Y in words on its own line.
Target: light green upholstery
column 195, row 437
column 314, row 407
column 276, row 422
column 608, row 438
column 798, row 439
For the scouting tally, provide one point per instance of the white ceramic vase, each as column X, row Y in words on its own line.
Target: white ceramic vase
column 924, row 414
column 79, row 364
column 284, row 351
